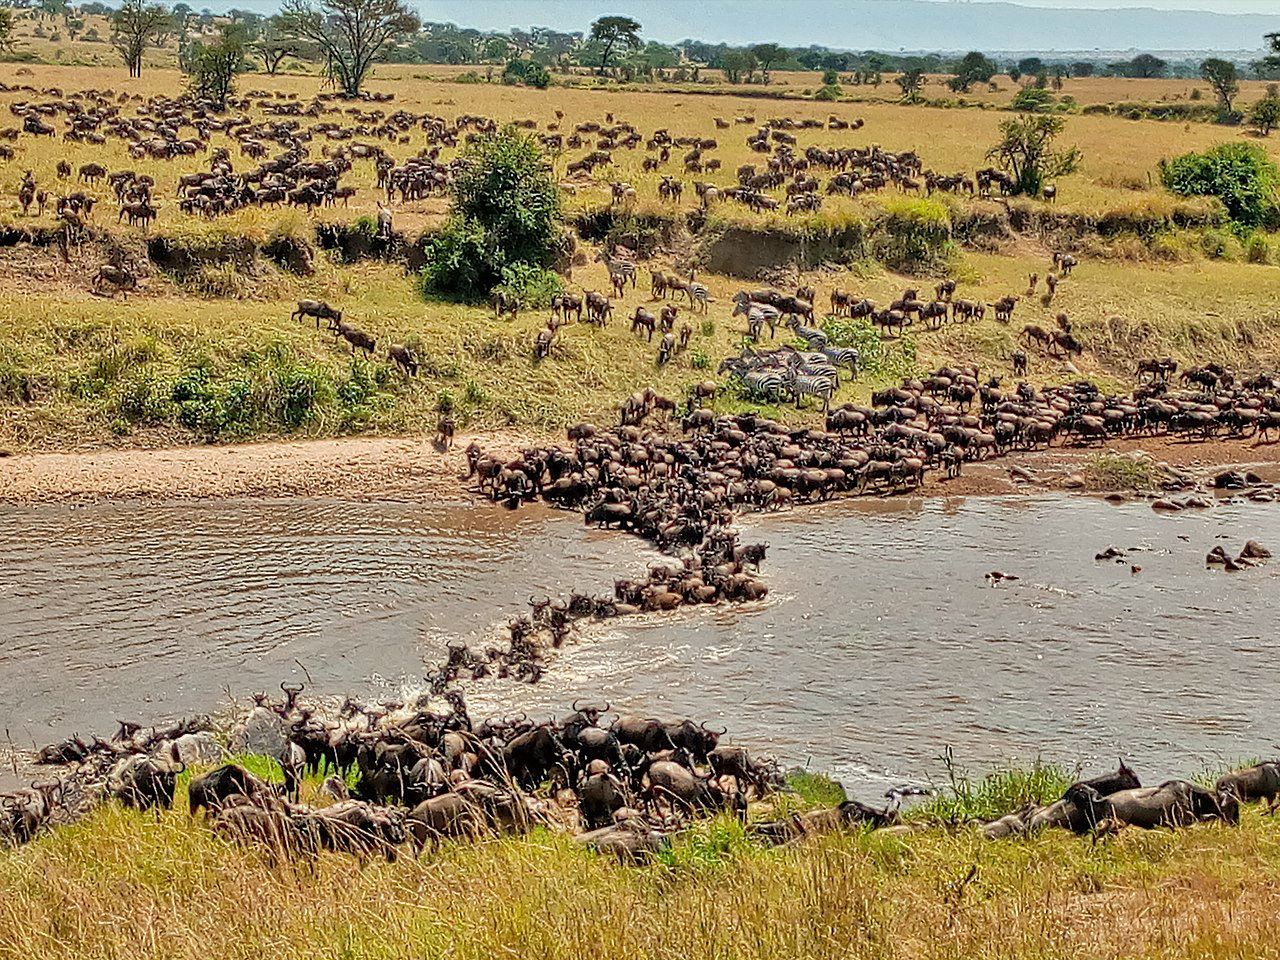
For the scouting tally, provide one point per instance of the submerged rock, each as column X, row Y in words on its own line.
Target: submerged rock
column 262, row 732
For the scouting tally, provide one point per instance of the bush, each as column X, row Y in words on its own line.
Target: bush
column 506, row 212
column 1239, row 174
column 527, row 73
column 458, row 262
column 532, row 286
column 1032, row 99
column 828, row 93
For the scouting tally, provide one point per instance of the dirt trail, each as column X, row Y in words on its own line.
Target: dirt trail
column 392, row 468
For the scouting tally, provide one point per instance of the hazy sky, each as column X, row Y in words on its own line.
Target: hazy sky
column 899, row 24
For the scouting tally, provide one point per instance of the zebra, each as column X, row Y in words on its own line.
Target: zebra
column 808, row 385
column 842, row 357
column 757, row 315
column 699, row 296
column 767, row 384
column 810, row 335
column 618, row 268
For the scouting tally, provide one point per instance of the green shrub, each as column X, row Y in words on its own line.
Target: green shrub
column 828, row 93
column 532, row 286
column 527, row 73
column 1241, row 175
column 468, row 78
column 1032, row 100
column 877, row 357
column 506, row 211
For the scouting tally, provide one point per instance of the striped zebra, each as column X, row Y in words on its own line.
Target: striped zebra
column 619, row 269
column 699, row 296
column 842, row 357
column 802, row 385
column 765, row 384
column 815, row 338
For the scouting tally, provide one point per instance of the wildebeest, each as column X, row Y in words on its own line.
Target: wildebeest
column 318, row 309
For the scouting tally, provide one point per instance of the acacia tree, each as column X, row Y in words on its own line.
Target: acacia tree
column 135, row 25
column 350, row 34
column 736, row 64
column 911, row 83
column 1225, row 80
column 213, row 66
column 612, row 31
column 273, row 46
column 768, row 54
column 1265, row 115
column 974, row 68
column 1026, row 152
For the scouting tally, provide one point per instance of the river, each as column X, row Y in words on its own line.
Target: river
column 881, row 644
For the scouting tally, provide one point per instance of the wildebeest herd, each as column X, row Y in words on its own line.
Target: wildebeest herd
column 410, row 774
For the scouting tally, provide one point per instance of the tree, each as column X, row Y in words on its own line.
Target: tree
column 135, row 25
column 506, row 218
column 609, row 32
column 1146, row 67
column 1082, row 68
column 273, row 46
column 349, row 34
column 1225, row 80
column 1030, row 65
column 1026, row 152
column 974, row 68
column 736, row 63
column 1272, row 62
column 1265, row 115
column 768, row 54
column 911, row 82
column 7, row 24
column 1014, row 73
column 212, row 67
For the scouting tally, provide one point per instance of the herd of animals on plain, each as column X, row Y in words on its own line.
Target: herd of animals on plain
column 423, row 773
column 409, row 775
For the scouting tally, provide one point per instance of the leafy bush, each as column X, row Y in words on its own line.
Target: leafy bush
column 532, row 286
column 458, row 262
column 212, row 407
column 1032, row 99
column 506, row 211
column 1239, row 174
column 469, row 77
column 877, row 357
column 528, row 73
column 828, row 93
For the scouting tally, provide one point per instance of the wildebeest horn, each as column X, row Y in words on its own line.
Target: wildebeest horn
column 289, row 688
column 576, row 708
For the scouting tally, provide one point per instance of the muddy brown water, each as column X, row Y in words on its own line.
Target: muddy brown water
column 881, row 644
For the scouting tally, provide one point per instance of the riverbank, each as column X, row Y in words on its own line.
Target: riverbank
column 385, row 468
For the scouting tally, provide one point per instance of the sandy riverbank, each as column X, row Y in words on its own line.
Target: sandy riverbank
column 393, row 468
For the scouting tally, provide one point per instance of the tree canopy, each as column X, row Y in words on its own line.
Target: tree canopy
column 974, row 68
column 1225, row 80
column 349, row 34
column 768, row 54
column 1026, row 152
column 135, row 25
column 610, row 32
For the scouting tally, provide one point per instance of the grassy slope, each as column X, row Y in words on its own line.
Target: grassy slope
column 75, row 368
column 94, row 368
column 122, row 884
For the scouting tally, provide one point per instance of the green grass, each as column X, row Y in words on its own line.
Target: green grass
column 128, row 884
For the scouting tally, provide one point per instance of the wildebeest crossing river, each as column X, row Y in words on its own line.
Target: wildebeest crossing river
column 881, row 641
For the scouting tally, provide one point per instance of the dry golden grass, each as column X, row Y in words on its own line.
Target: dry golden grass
column 75, row 368
column 123, row 884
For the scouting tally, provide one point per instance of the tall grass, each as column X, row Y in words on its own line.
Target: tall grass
column 125, row 884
